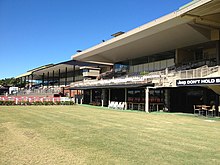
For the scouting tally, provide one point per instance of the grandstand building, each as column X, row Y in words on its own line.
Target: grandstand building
column 54, row 79
column 170, row 63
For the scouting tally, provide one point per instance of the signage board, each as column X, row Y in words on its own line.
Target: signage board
column 198, row 81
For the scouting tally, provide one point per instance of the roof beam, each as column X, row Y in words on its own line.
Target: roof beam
column 203, row 21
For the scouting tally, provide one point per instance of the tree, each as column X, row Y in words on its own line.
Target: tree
column 9, row 82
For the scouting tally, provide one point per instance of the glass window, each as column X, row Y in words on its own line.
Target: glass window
column 130, row 95
column 120, row 68
column 136, row 95
column 156, row 96
column 199, row 54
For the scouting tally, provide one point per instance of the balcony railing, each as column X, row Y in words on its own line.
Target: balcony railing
column 203, row 71
column 159, row 78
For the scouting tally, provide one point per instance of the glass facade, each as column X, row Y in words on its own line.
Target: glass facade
column 96, row 96
column 151, row 63
column 120, row 68
column 156, row 96
column 136, row 95
column 197, row 55
column 152, row 66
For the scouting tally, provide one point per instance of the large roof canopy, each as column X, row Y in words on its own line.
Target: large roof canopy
column 192, row 24
column 62, row 66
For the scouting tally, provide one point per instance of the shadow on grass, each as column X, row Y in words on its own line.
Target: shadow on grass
column 154, row 113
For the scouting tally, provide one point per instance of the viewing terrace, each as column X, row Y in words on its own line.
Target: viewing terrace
column 163, row 78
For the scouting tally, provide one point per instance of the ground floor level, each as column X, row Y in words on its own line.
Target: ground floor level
column 178, row 99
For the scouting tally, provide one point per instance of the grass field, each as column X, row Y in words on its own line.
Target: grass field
column 89, row 135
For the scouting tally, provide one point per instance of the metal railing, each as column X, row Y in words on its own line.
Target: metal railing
column 203, row 71
column 159, row 78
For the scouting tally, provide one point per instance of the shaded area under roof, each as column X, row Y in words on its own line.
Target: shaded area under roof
column 113, row 86
column 41, row 67
column 62, row 66
column 82, row 63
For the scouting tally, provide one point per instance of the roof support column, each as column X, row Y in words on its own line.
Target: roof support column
column 59, row 78
column 176, row 59
column 81, row 100
column 218, row 52
column 48, row 75
column 24, row 81
column 216, row 105
column 20, row 82
column 53, row 78
column 77, row 96
column 103, row 97
column 147, row 100
column 109, row 96
column 66, row 76
column 28, row 81
column 126, row 92
column 32, row 79
column 43, row 79
column 74, row 68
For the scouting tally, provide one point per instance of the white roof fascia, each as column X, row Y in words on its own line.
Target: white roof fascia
column 24, row 74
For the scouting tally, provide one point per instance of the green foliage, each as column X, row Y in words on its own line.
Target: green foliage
column 48, row 103
column 37, row 103
column 9, row 82
column 58, row 103
column 67, row 103
column 7, row 103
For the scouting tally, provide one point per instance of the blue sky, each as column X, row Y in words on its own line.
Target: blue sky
column 39, row 32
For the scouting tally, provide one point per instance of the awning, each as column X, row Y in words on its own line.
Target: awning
column 62, row 66
column 113, row 86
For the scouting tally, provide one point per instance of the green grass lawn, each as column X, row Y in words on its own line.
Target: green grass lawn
column 88, row 135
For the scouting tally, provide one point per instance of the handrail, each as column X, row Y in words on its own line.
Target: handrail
column 162, row 76
column 198, row 72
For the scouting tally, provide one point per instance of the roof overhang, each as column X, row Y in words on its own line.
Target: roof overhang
column 62, row 67
column 115, row 86
column 25, row 74
column 53, row 70
column 178, row 29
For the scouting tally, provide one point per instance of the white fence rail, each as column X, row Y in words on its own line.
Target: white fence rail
column 198, row 72
column 160, row 78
